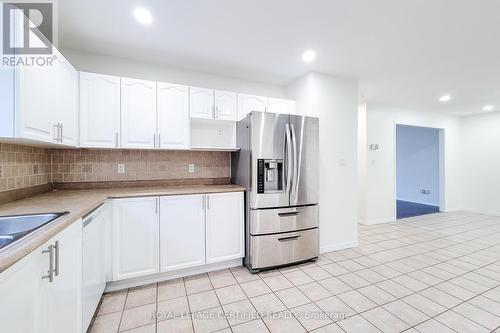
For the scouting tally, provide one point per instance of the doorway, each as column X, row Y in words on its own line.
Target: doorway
column 418, row 170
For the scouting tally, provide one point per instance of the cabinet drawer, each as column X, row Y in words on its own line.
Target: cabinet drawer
column 267, row 221
column 283, row 248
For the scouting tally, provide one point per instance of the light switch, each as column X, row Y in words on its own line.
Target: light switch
column 191, row 168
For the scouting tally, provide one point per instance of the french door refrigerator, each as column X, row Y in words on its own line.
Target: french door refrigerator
column 278, row 165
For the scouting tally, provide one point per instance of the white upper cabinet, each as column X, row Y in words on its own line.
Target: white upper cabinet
column 225, row 105
column 182, row 232
column 39, row 103
column 249, row 103
column 99, row 110
column 66, row 79
column 135, row 237
column 173, row 116
column 224, row 227
column 279, row 105
column 212, row 104
column 138, row 113
column 201, row 102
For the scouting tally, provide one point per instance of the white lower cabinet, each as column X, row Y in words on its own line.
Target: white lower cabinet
column 63, row 294
column 182, row 232
column 135, row 237
column 224, row 227
column 21, row 299
column 30, row 303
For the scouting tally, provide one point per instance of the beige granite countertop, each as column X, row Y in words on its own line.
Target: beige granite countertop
column 78, row 203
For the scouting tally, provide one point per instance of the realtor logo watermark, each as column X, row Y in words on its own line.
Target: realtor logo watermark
column 27, row 34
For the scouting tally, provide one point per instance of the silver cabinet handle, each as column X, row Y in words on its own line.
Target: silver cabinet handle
column 213, row 111
column 159, row 140
column 208, row 202
column 61, row 132
column 56, row 247
column 203, row 204
column 56, row 132
column 116, row 139
column 154, row 140
column 50, row 272
column 217, row 110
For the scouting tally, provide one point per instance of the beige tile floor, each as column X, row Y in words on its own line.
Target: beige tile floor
column 436, row 273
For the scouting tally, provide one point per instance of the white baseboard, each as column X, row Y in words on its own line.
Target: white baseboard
column 378, row 221
column 143, row 280
column 336, row 247
column 480, row 211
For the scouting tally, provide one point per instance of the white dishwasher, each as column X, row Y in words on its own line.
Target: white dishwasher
column 94, row 280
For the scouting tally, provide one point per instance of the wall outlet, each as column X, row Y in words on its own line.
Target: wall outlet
column 191, row 168
column 425, row 191
column 121, row 168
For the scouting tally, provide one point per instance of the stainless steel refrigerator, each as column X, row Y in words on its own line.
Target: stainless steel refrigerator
column 278, row 164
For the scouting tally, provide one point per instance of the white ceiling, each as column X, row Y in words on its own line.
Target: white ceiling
column 405, row 53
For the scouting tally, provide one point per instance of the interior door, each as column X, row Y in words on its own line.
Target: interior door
column 305, row 160
column 267, row 141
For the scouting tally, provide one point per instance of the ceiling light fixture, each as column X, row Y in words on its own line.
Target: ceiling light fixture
column 143, row 15
column 445, row 98
column 309, row 56
column 488, row 108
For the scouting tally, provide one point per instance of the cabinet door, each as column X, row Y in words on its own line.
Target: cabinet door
column 21, row 309
column 249, row 103
column 138, row 113
column 201, row 103
column 173, row 116
column 93, row 254
column 182, row 232
column 224, row 227
column 36, row 100
column 99, row 110
column 62, row 296
column 225, row 105
column 283, row 106
column 135, row 237
column 67, row 99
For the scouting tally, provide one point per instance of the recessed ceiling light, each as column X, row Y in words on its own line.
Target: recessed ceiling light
column 143, row 15
column 488, row 108
column 445, row 98
column 309, row 56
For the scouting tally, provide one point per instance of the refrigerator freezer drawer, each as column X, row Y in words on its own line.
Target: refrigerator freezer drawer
column 285, row 248
column 267, row 221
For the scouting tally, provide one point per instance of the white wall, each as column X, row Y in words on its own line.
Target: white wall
column 380, row 176
column 481, row 163
column 335, row 102
column 417, row 164
column 92, row 62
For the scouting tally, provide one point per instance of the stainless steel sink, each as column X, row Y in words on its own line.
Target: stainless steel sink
column 13, row 228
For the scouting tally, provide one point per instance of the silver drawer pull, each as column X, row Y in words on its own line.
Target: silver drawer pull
column 288, row 214
column 50, row 271
column 284, row 239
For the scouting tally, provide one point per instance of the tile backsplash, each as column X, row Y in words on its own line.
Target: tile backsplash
column 91, row 165
column 25, row 166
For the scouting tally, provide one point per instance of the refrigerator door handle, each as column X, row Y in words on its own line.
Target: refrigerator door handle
column 288, row 144
column 295, row 173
